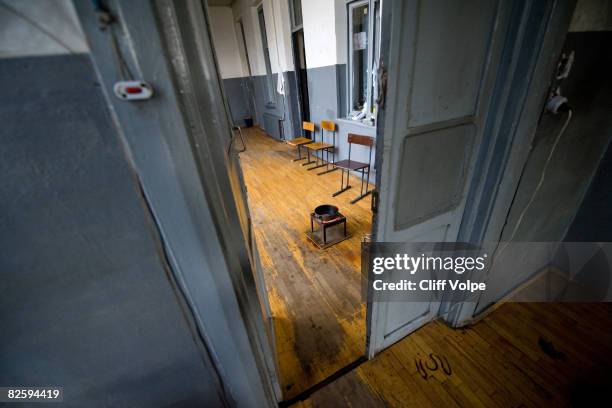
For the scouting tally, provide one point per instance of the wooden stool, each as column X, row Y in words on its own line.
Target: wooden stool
column 320, row 237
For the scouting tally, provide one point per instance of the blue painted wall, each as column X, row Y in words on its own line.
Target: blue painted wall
column 327, row 99
column 85, row 299
column 236, row 91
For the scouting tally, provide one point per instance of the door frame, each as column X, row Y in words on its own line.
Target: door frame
column 181, row 165
column 502, row 161
column 242, row 48
column 303, row 97
column 492, row 203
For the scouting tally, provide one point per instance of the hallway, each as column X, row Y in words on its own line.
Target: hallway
column 315, row 295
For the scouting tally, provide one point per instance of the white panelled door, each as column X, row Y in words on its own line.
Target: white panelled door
column 442, row 57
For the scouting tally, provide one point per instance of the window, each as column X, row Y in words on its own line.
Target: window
column 266, row 52
column 364, row 52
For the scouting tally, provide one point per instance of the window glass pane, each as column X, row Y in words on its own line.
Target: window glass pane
column 359, row 57
column 297, row 12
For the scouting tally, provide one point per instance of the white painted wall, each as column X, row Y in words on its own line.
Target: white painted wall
column 225, row 42
column 324, row 32
column 319, row 32
column 324, row 35
column 341, row 32
column 278, row 31
column 39, row 27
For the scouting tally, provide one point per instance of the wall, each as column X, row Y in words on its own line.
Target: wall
column 226, row 43
column 236, row 84
column 573, row 164
column 592, row 15
column 85, row 297
column 248, row 95
column 593, row 222
column 325, row 35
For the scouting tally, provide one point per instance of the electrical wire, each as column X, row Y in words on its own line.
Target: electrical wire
column 536, row 190
column 542, row 176
column 124, row 68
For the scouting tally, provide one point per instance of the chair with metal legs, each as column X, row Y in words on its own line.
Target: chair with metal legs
column 302, row 140
column 352, row 165
column 323, row 147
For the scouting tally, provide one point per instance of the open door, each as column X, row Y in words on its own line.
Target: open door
column 235, row 144
column 441, row 58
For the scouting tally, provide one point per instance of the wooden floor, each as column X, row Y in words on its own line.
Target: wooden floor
column 314, row 294
column 521, row 355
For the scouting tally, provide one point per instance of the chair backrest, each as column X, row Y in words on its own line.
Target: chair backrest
column 330, row 126
column 360, row 140
column 309, row 127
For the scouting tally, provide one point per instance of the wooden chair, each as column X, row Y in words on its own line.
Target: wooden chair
column 300, row 141
column 352, row 165
column 323, row 147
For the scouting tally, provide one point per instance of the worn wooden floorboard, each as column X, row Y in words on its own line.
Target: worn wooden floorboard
column 521, row 355
column 315, row 295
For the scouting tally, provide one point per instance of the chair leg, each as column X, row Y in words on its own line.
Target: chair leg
column 317, row 165
column 361, row 196
column 342, row 187
column 308, row 161
column 327, row 171
column 361, row 193
column 299, row 152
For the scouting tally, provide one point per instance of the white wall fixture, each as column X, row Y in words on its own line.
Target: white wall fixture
column 133, row 90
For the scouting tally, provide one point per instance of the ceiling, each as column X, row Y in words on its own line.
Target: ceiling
column 219, row 3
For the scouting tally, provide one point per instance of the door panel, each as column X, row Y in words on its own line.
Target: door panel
column 449, row 57
column 431, row 179
column 439, row 57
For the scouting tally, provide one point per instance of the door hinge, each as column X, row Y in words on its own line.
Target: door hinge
column 374, row 203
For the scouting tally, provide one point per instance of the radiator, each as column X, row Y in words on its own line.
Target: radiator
column 272, row 124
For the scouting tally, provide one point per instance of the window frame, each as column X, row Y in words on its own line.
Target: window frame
column 294, row 26
column 261, row 17
column 373, row 37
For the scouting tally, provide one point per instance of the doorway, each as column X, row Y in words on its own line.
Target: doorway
column 318, row 314
column 299, row 61
column 311, row 296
